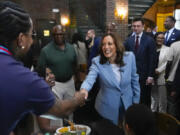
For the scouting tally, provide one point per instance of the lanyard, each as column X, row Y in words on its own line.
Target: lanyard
column 4, row 50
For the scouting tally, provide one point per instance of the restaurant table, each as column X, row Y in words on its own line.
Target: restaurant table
column 99, row 127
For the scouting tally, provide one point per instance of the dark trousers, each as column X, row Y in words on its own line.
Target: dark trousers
column 87, row 113
column 173, row 103
column 145, row 97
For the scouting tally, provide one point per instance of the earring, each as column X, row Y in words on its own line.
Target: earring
column 22, row 47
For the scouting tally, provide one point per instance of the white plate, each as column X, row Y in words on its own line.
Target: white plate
column 57, row 130
column 88, row 131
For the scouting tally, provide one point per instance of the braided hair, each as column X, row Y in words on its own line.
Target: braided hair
column 13, row 21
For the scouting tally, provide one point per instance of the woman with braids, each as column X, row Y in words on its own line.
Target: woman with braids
column 22, row 91
column 119, row 86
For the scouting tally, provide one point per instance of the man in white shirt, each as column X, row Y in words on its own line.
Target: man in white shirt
column 173, row 60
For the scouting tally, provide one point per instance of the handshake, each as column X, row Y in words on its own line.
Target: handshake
column 81, row 96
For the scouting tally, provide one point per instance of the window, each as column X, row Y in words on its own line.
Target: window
column 161, row 17
column 177, row 17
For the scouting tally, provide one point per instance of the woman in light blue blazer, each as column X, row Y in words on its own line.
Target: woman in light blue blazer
column 119, row 82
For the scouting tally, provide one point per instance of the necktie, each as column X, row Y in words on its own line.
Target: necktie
column 166, row 39
column 137, row 43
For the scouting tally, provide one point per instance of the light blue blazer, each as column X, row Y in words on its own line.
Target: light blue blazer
column 113, row 95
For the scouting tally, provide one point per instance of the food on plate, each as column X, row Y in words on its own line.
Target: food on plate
column 76, row 130
column 72, row 128
column 63, row 130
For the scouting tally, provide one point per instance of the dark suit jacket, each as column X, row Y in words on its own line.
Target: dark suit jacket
column 94, row 50
column 145, row 55
column 175, row 36
column 176, row 84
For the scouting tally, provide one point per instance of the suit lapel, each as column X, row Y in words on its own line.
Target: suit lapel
column 110, row 75
column 172, row 36
column 122, row 69
column 133, row 43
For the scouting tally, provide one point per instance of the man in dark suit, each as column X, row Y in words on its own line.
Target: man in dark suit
column 143, row 47
column 176, row 91
column 176, row 84
column 172, row 34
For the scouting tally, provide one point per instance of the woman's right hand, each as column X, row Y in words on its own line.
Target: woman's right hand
column 84, row 91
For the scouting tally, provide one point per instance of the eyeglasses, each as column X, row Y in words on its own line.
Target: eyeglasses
column 33, row 35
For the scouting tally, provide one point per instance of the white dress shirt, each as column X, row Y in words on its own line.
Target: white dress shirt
column 169, row 34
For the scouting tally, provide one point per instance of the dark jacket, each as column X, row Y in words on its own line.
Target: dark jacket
column 145, row 55
column 175, row 36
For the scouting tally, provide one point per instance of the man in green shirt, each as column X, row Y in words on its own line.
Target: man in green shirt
column 60, row 57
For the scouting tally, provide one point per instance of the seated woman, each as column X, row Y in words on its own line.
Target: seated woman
column 47, row 125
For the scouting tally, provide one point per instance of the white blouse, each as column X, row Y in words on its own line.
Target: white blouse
column 116, row 70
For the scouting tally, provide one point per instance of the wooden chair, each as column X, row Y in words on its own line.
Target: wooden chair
column 167, row 124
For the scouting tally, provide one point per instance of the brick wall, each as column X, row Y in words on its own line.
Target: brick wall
column 42, row 9
column 122, row 25
column 88, row 12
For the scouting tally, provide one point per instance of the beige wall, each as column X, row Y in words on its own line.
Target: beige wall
column 158, row 8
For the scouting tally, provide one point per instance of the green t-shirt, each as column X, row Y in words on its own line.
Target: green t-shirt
column 61, row 62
